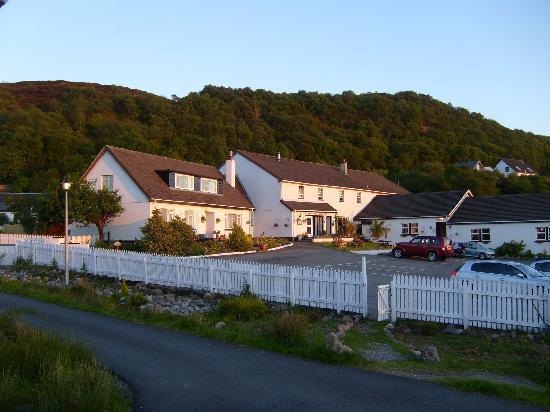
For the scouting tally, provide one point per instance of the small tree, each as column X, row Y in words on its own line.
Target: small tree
column 238, row 240
column 346, row 228
column 91, row 206
column 378, row 229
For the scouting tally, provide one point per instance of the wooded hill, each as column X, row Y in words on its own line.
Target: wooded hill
column 52, row 129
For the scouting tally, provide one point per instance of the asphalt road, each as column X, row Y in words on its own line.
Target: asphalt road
column 380, row 268
column 171, row 371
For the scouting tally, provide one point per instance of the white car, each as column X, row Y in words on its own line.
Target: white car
column 494, row 270
column 542, row 266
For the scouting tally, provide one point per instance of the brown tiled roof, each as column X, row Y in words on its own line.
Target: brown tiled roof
column 146, row 170
column 321, row 174
column 519, row 166
column 308, row 206
column 412, row 205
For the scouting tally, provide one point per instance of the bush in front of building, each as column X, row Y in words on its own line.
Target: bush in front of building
column 238, row 240
column 512, row 249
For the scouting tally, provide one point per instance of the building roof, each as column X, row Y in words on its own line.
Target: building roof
column 147, row 171
column 321, row 174
column 308, row 206
column 504, row 208
column 519, row 166
column 440, row 204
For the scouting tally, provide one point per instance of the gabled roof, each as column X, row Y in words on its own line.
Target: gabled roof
column 504, row 208
column 308, row 206
column 321, row 174
column 431, row 204
column 147, row 172
column 519, row 166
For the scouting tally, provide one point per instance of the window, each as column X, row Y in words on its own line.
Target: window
column 184, row 182
column 341, row 195
column 417, row 240
column 320, row 193
column 543, row 233
column 300, row 192
column 543, row 266
column 358, row 197
column 190, row 218
column 409, row 229
column 166, row 214
column 209, row 185
column 232, row 219
column 106, row 182
column 480, row 235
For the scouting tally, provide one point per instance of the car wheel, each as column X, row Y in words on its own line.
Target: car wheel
column 432, row 256
column 398, row 253
column 482, row 255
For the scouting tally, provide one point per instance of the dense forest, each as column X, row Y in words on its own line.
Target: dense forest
column 53, row 129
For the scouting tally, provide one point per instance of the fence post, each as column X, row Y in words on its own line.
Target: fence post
column 337, row 291
column 292, row 292
column 251, row 280
column 94, row 257
column 33, row 257
column 118, row 266
column 466, row 305
column 145, row 274
column 393, row 301
column 364, row 272
column 211, row 278
column 178, row 276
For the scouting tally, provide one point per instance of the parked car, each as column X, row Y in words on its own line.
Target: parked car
column 542, row 266
column 498, row 270
column 431, row 247
column 473, row 249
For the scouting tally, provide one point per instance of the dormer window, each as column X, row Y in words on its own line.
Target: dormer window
column 184, row 182
column 209, row 185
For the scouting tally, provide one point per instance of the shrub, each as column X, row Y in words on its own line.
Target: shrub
column 124, row 291
column 137, row 299
column 347, row 228
column 22, row 264
column 54, row 265
column 242, row 308
column 288, row 328
column 239, row 241
column 510, row 249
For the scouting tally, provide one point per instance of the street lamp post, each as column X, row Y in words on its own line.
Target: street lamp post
column 66, row 186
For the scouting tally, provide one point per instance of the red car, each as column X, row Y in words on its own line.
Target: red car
column 432, row 247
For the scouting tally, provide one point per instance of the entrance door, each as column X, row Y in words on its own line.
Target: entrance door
column 317, row 226
column 210, row 224
column 441, row 229
column 329, row 225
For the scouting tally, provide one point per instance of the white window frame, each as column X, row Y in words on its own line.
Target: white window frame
column 190, row 182
column 231, row 219
column 405, row 229
column 301, row 192
column 359, row 197
column 341, row 196
column 544, row 231
column 409, row 229
column 106, row 182
column 320, row 194
column 190, row 218
column 480, row 234
column 212, row 182
column 413, row 229
column 166, row 214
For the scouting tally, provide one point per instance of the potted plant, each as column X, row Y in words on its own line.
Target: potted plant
column 203, row 219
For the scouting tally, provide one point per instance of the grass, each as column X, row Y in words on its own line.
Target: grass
column 301, row 332
column 44, row 372
column 350, row 247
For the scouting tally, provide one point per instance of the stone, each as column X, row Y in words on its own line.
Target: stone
column 220, row 325
column 429, row 353
column 149, row 298
column 347, row 319
column 326, row 318
column 494, row 336
column 147, row 306
column 451, row 330
column 156, row 292
column 356, row 319
column 382, row 352
column 344, row 327
column 334, row 344
column 388, row 329
column 416, row 353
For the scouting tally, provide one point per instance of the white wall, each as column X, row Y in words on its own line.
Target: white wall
column 426, row 227
column 501, row 168
column 264, row 191
column 502, row 232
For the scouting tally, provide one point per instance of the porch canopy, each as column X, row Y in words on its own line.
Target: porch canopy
column 308, row 206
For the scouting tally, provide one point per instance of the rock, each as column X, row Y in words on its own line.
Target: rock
column 381, row 352
column 344, row 327
column 513, row 334
column 147, row 306
column 347, row 319
column 156, row 292
column 429, row 353
column 388, row 329
column 196, row 302
column 208, row 296
column 334, row 344
column 149, row 298
column 451, row 330
column 327, row 317
column 494, row 336
column 220, row 325
column 356, row 319
column 416, row 353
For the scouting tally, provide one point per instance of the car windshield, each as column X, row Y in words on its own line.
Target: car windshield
column 530, row 271
column 543, row 266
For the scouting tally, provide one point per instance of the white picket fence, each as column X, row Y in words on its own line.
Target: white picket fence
column 493, row 305
column 13, row 238
column 318, row 287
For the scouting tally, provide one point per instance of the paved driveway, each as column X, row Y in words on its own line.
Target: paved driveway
column 380, row 269
column 171, row 371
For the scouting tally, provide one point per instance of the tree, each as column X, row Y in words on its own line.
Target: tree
column 238, row 240
column 92, row 206
column 378, row 229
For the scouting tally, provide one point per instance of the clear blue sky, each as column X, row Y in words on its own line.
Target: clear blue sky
column 491, row 57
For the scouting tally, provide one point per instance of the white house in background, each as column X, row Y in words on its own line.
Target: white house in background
column 294, row 198
column 208, row 201
column 470, row 164
column 412, row 214
column 514, row 167
column 494, row 220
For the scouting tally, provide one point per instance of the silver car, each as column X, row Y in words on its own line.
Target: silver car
column 542, row 266
column 494, row 270
column 475, row 250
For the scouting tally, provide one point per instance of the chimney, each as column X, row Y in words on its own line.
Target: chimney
column 344, row 167
column 230, row 169
column 278, row 156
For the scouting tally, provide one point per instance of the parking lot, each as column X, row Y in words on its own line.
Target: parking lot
column 380, row 268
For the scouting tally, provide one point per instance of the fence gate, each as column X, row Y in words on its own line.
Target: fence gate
column 383, row 302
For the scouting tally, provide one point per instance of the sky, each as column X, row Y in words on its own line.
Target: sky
column 490, row 57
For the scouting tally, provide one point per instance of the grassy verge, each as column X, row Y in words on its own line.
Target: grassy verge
column 45, row 373
column 521, row 363
column 350, row 247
